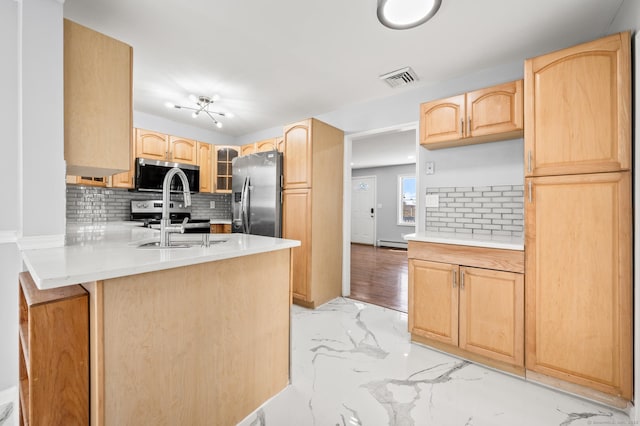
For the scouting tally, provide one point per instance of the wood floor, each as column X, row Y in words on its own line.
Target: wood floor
column 379, row 275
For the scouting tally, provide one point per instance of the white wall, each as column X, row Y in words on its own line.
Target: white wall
column 9, row 213
column 151, row 122
column 31, row 117
column 387, row 227
column 40, row 38
column 9, row 113
column 628, row 18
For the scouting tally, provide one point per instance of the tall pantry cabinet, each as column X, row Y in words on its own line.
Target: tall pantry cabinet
column 578, row 217
column 312, row 209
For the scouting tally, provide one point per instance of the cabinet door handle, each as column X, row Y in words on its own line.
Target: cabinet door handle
column 530, row 193
column 462, row 127
column 469, row 126
column 453, row 280
column 461, row 280
column 529, row 161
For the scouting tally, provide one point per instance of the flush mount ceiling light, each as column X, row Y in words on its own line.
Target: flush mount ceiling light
column 405, row 14
column 203, row 104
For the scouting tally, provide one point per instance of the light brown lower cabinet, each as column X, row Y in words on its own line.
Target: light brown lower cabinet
column 579, row 286
column 220, row 228
column 471, row 311
column 296, row 225
column 53, row 354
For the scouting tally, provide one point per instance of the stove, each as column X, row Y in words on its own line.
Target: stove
column 150, row 212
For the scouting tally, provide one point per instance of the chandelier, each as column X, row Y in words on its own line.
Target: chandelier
column 203, row 104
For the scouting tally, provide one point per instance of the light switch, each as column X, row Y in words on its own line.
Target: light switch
column 430, row 167
column 432, row 200
column 212, row 204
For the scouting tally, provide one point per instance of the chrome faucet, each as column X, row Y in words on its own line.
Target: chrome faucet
column 165, row 224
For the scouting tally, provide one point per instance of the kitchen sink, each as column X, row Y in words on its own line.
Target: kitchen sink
column 184, row 241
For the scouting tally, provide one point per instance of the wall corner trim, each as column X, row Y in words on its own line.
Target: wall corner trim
column 40, row 242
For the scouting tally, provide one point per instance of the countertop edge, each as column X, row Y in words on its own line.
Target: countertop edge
column 49, row 283
column 426, row 238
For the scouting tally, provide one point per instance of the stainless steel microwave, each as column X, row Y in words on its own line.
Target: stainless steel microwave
column 150, row 175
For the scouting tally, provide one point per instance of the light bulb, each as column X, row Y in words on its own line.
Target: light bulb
column 194, row 115
column 229, row 115
column 219, row 125
column 404, row 14
column 193, row 98
column 169, row 105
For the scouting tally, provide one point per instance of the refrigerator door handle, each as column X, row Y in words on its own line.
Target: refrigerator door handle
column 246, row 226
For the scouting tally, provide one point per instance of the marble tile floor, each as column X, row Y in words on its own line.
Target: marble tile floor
column 353, row 364
column 9, row 407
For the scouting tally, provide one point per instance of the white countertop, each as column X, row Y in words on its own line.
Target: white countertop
column 103, row 251
column 489, row 241
column 220, row 221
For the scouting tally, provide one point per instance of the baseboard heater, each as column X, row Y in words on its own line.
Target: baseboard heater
column 395, row 244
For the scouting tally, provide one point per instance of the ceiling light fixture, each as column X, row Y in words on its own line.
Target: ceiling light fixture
column 203, row 102
column 405, row 14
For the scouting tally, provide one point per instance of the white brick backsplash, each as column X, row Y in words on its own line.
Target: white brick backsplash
column 95, row 204
column 485, row 210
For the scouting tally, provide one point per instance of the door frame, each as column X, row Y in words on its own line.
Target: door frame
column 375, row 206
column 346, row 204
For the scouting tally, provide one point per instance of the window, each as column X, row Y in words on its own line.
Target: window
column 407, row 200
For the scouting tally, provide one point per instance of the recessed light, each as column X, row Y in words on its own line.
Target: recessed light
column 405, row 14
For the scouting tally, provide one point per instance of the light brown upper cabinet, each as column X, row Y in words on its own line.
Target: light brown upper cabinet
column 152, row 145
column 579, row 294
column 204, row 161
column 97, row 102
column 297, row 148
column 247, row 149
column 159, row 146
column 223, row 172
column 125, row 179
column 485, row 115
column 183, row 150
column 267, row 145
column 578, row 108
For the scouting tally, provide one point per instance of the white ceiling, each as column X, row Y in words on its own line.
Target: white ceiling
column 275, row 62
column 384, row 149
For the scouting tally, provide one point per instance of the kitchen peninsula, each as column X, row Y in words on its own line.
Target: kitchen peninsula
column 193, row 335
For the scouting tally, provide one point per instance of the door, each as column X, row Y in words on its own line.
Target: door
column 363, row 203
column 578, row 269
column 433, row 300
column 577, row 109
column 492, row 314
column 296, row 225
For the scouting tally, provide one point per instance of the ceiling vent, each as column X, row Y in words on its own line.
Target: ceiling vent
column 400, row 77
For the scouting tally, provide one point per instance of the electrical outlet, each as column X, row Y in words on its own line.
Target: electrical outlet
column 212, row 204
column 432, row 200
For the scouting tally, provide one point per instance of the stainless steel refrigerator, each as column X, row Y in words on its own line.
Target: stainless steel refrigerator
column 257, row 194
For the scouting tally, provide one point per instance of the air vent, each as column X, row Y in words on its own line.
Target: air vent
column 400, row 77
